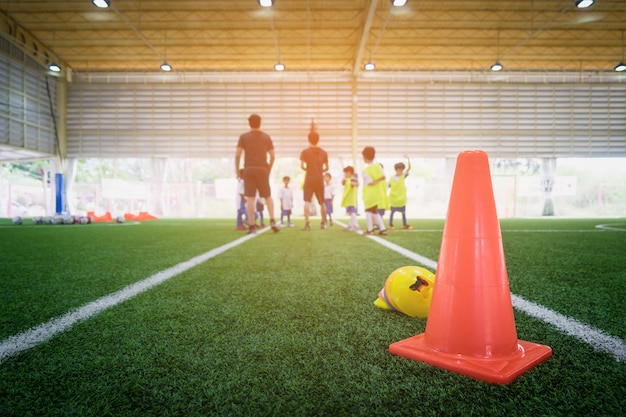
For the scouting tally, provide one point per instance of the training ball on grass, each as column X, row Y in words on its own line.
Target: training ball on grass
column 17, row 220
column 408, row 290
column 68, row 220
column 120, row 219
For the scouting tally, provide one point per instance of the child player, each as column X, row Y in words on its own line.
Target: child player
column 286, row 202
column 329, row 195
column 397, row 193
column 241, row 203
column 374, row 191
column 348, row 199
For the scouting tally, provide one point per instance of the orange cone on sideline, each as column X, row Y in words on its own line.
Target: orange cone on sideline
column 144, row 215
column 471, row 328
column 104, row 218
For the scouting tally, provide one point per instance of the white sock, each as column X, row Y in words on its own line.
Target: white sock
column 379, row 221
column 369, row 220
column 353, row 223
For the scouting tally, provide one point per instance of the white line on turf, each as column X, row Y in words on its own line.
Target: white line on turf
column 30, row 338
column 598, row 229
column 619, row 227
column 584, row 332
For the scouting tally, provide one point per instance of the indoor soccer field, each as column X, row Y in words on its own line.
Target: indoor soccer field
column 192, row 318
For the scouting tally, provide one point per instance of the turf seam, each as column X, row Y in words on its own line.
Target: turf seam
column 598, row 339
column 30, row 338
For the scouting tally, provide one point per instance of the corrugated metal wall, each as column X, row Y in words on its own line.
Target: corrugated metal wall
column 25, row 107
column 126, row 116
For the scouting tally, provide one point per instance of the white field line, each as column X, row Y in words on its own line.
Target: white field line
column 598, row 339
column 30, row 338
column 618, row 227
column 598, row 229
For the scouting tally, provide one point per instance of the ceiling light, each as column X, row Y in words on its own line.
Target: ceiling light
column 398, row 3
column 266, row 3
column 496, row 67
column 279, row 66
column 166, row 67
column 102, row 4
column 369, row 66
column 56, row 68
column 583, row 4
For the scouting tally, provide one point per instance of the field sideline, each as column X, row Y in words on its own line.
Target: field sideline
column 220, row 337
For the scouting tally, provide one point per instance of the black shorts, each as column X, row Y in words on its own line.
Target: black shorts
column 314, row 188
column 256, row 179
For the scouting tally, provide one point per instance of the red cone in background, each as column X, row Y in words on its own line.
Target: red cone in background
column 471, row 328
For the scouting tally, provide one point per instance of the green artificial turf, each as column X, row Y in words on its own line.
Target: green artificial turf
column 285, row 324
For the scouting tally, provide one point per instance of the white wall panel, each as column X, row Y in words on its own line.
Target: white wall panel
column 25, row 113
column 201, row 120
column 133, row 117
column 506, row 120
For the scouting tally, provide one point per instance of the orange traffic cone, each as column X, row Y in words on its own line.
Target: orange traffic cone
column 471, row 328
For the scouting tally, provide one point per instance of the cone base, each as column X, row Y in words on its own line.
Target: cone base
column 495, row 370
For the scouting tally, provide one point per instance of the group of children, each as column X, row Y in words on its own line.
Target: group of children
column 376, row 200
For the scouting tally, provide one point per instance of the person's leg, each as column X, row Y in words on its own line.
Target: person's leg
column 353, row 221
column 393, row 210
column 265, row 191
column 250, row 189
column 239, row 217
column 308, row 197
column 369, row 220
column 269, row 201
column 329, row 211
column 319, row 194
column 381, row 224
column 260, row 210
column 307, row 211
column 251, row 208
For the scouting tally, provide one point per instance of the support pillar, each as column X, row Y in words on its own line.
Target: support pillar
column 548, row 175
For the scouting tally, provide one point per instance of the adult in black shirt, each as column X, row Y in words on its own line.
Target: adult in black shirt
column 314, row 160
column 256, row 146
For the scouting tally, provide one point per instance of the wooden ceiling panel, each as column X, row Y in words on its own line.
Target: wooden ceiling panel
column 328, row 35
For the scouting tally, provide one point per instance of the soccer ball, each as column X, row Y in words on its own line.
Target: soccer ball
column 68, row 220
column 409, row 290
column 120, row 219
column 17, row 220
column 37, row 220
column 82, row 220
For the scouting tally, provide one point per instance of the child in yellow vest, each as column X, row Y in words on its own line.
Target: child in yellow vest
column 348, row 199
column 397, row 193
column 374, row 192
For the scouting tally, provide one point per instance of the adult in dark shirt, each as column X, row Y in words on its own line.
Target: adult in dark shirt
column 314, row 160
column 256, row 146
